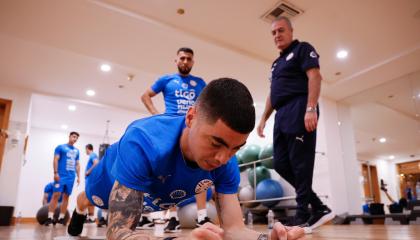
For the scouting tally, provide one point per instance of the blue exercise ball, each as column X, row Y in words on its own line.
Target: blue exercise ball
column 269, row 188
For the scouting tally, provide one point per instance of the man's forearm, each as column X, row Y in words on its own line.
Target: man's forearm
column 314, row 89
column 268, row 109
column 125, row 206
column 147, row 101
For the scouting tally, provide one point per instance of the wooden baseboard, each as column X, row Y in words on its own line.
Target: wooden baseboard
column 24, row 220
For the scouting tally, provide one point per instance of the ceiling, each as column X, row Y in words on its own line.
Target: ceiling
column 55, row 48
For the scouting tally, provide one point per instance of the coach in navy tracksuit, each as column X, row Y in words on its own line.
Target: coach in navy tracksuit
column 295, row 88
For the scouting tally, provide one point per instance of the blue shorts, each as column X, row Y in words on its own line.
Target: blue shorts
column 64, row 185
column 98, row 187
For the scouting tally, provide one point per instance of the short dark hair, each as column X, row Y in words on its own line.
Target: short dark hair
column 75, row 133
column 229, row 100
column 185, row 49
column 89, row 146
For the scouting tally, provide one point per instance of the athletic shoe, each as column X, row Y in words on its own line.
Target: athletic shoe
column 88, row 220
column 61, row 221
column 205, row 220
column 173, row 225
column 76, row 224
column 320, row 217
column 145, row 224
column 298, row 220
column 48, row 222
column 102, row 222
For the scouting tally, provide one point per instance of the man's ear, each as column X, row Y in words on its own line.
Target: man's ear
column 190, row 116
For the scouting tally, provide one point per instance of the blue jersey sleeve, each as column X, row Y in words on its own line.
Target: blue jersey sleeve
column 57, row 150
column 77, row 156
column 308, row 57
column 132, row 167
column 227, row 178
column 160, row 84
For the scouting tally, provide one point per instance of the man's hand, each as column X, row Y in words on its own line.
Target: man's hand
column 311, row 121
column 208, row 231
column 287, row 233
column 56, row 177
column 78, row 181
column 260, row 128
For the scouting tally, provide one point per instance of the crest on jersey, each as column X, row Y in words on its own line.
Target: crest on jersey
column 178, row 194
column 290, row 56
column 203, row 185
column 193, row 83
column 97, row 200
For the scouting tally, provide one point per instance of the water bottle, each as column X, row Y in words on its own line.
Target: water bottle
column 250, row 219
column 418, row 190
column 18, row 218
column 270, row 219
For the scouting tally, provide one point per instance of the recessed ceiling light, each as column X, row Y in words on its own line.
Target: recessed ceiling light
column 382, row 140
column 105, row 68
column 72, row 108
column 64, row 126
column 339, row 123
column 391, row 157
column 90, row 92
column 180, row 11
column 342, row 54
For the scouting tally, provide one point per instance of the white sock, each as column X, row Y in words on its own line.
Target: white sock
column 104, row 213
column 173, row 214
column 80, row 211
column 61, row 216
column 51, row 215
column 201, row 214
column 91, row 217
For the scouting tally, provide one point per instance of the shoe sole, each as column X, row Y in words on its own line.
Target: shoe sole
column 173, row 231
column 326, row 218
column 145, row 228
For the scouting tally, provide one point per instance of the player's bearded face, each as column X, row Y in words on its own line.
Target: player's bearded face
column 184, row 62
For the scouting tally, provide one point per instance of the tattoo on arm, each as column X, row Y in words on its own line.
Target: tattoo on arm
column 263, row 236
column 125, row 206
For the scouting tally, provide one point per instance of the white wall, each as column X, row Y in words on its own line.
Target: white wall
column 38, row 170
column 13, row 155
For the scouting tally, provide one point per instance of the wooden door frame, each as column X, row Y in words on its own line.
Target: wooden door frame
column 4, row 125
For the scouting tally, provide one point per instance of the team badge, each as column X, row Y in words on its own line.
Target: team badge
column 177, row 194
column 290, row 56
column 97, row 200
column 193, row 83
column 313, row 54
column 203, row 185
column 57, row 185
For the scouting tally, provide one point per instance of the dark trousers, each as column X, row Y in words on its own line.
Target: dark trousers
column 294, row 157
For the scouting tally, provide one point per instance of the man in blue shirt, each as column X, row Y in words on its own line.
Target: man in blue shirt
column 92, row 162
column 66, row 166
column 48, row 192
column 294, row 93
column 180, row 91
column 170, row 158
column 97, row 190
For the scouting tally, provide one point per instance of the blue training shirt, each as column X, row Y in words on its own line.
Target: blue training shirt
column 67, row 162
column 149, row 159
column 179, row 92
column 92, row 157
